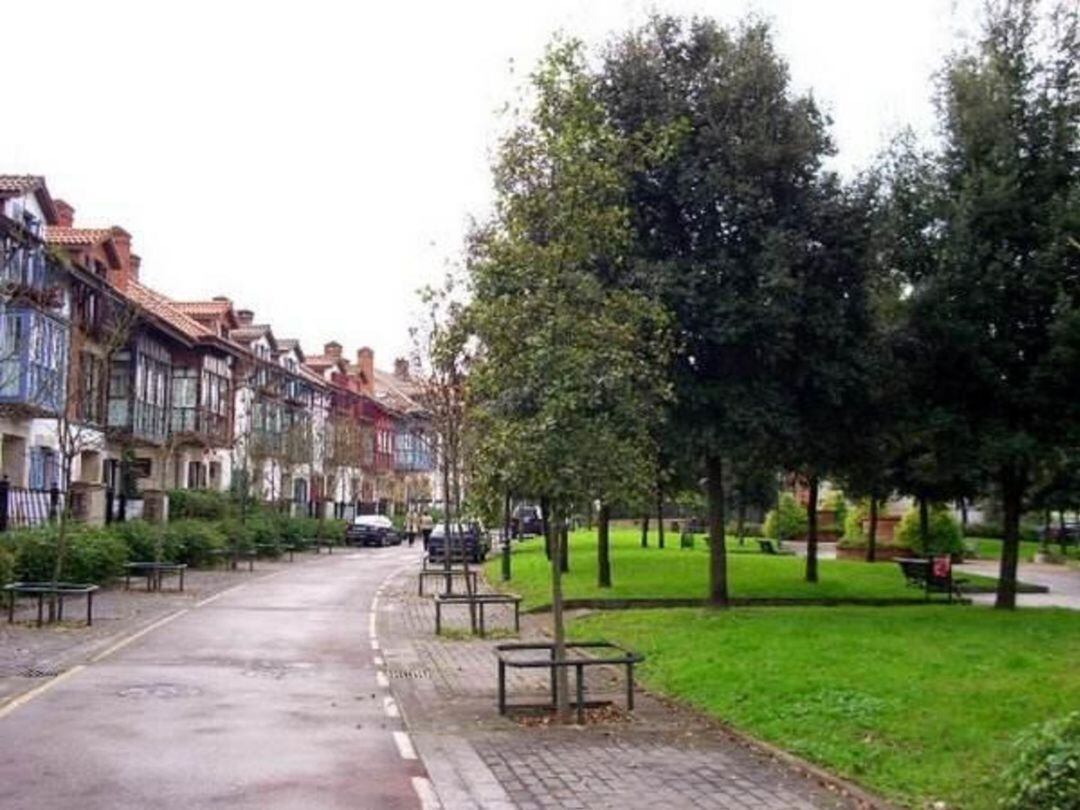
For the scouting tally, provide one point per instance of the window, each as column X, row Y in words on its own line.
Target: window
column 196, row 478
column 43, row 468
column 91, row 400
column 185, row 398
column 215, row 475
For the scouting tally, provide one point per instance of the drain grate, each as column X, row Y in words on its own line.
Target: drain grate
column 39, row 672
column 412, row 674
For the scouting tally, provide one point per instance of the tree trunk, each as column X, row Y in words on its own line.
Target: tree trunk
column 871, row 534
column 963, row 516
column 603, row 549
column 545, row 525
column 714, row 494
column 811, row 531
column 659, row 514
column 645, row 531
column 1012, row 491
column 1062, row 539
column 562, row 680
column 564, row 546
column 506, row 539
column 924, row 526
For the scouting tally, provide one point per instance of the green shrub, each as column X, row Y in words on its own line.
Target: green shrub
column 853, row 530
column 1045, row 774
column 306, row 528
column 192, row 541
column 7, row 566
column 943, row 532
column 787, row 521
column 238, row 535
column 196, row 503
column 142, row 540
column 333, row 531
column 93, row 555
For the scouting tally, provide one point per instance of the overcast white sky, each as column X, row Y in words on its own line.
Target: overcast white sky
column 318, row 161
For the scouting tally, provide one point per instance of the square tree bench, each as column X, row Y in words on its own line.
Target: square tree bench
column 442, row 573
column 154, row 572
column 543, row 657
column 477, row 601
column 59, row 590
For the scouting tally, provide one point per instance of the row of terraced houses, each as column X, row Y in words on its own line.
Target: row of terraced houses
column 109, row 388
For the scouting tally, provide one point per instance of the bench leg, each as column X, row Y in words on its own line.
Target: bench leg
column 580, row 694
column 40, row 607
column 420, row 587
column 630, row 687
column 517, row 617
column 181, row 580
column 60, row 607
column 481, row 606
column 502, row 688
column 438, row 618
column 554, row 682
column 11, row 607
column 89, row 608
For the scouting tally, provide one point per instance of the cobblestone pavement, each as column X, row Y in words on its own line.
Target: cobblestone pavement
column 30, row 654
column 663, row 756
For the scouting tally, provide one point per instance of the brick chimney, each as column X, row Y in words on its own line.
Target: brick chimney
column 127, row 268
column 401, row 368
column 245, row 317
column 332, row 350
column 65, row 214
column 365, row 359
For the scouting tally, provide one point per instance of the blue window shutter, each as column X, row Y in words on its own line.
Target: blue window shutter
column 37, row 468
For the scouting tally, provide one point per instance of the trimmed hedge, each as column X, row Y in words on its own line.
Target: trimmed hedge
column 943, row 532
column 98, row 554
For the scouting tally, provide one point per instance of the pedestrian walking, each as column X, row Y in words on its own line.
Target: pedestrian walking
column 426, row 525
column 410, row 527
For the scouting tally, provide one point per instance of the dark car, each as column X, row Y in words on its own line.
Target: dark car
column 372, row 530
column 526, row 521
column 468, row 540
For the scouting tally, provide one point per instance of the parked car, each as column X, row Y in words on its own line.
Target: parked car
column 372, row 530
column 526, row 521
column 466, row 539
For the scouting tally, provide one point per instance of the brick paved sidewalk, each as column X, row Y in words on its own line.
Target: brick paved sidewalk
column 662, row 757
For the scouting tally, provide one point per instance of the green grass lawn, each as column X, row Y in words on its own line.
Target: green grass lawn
column 918, row 703
column 989, row 548
column 683, row 573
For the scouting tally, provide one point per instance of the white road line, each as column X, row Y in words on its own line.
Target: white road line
column 404, row 745
column 374, row 644
column 26, row 697
column 390, row 707
column 371, row 626
column 379, row 662
column 426, row 793
column 382, row 680
column 135, row 636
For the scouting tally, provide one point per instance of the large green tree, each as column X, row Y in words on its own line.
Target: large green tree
column 998, row 318
column 569, row 381
column 729, row 156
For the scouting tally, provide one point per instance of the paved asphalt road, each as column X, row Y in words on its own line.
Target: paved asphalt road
column 266, row 696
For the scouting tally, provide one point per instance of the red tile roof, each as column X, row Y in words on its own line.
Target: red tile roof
column 157, row 304
column 76, row 236
column 205, row 308
column 20, row 183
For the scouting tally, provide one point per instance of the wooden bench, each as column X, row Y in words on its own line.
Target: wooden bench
column 60, row 590
column 507, row 656
column 932, row 575
column 769, row 547
column 478, row 601
column 154, row 573
column 450, row 576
